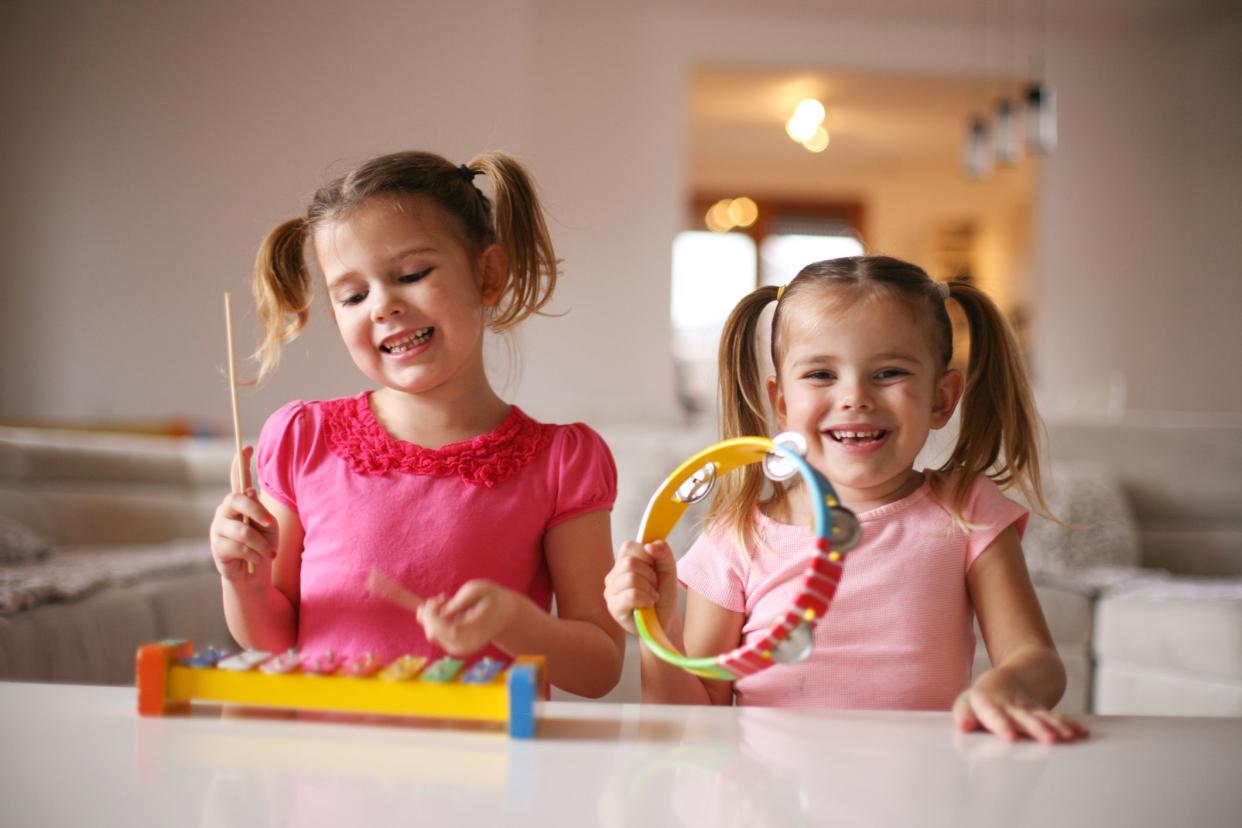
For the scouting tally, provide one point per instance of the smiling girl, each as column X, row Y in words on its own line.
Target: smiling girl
column 862, row 349
column 431, row 480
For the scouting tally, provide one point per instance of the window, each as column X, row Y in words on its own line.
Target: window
column 781, row 257
column 713, row 270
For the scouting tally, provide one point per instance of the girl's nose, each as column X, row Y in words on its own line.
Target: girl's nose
column 386, row 307
column 855, row 398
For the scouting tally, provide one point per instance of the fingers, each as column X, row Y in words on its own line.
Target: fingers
column 243, row 534
column 1033, row 725
column 239, row 469
column 988, row 715
column 964, row 715
column 467, row 600
column 451, row 631
column 1065, row 728
column 246, row 505
column 662, row 559
column 633, row 582
column 974, row 711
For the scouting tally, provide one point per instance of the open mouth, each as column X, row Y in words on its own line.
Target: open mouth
column 857, row 438
column 405, row 343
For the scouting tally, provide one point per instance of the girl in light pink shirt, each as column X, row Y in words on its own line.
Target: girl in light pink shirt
column 862, row 349
column 431, row 489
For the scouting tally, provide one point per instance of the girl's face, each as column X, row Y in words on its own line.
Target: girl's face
column 407, row 294
column 861, row 382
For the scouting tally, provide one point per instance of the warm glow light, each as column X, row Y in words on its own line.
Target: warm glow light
column 806, row 119
column 817, row 142
column 743, row 212
column 799, row 131
column 717, row 218
column 810, row 110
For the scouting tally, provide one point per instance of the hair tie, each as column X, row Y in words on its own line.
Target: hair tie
column 467, row 173
column 780, row 291
column 942, row 288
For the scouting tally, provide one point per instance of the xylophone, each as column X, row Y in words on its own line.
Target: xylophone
column 170, row 674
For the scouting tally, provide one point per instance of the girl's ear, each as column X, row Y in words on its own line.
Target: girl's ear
column 493, row 274
column 948, row 391
column 776, row 400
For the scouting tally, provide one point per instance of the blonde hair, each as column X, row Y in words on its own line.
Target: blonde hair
column 1000, row 431
column 513, row 218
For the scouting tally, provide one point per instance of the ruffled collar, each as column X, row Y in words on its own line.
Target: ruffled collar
column 487, row 460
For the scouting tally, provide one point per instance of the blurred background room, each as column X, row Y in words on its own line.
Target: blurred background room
column 149, row 146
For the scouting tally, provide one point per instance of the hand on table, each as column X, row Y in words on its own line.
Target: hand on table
column 1001, row 706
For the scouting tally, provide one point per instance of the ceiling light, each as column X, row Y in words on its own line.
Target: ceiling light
column 817, row 142
column 806, row 119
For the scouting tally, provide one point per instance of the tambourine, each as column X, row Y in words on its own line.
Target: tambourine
column 791, row 638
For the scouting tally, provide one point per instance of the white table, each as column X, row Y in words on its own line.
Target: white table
column 79, row 755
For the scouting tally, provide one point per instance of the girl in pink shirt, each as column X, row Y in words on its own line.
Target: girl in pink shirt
column 431, row 487
column 862, row 349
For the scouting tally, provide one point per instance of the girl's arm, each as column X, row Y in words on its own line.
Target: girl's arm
column 708, row 629
column 1027, row 679
column 260, row 607
column 582, row 644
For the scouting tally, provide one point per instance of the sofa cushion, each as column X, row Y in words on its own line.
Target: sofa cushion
column 1096, row 528
column 1129, row 690
column 1173, row 624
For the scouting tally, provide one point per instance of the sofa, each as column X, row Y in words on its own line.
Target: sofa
column 1166, row 625
column 1142, row 587
column 104, row 548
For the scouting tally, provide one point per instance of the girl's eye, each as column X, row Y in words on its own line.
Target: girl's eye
column 891, row 373
column 410, row 278
column 353, row 299
column 821, row 376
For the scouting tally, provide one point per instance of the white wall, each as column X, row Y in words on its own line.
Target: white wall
column 1138, row 223
column 147, row 149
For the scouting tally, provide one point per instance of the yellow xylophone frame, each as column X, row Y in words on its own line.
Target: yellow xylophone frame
column 166, row 686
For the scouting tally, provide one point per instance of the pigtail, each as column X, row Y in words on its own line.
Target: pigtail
column 282, row 290
column 521, row 230
column 742, row 411
column 1000, row 432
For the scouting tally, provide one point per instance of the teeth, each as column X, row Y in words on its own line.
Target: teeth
column 403, row 345
column 857, row 435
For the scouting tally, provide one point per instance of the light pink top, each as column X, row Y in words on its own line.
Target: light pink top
column 899, row 633
column 431, row 519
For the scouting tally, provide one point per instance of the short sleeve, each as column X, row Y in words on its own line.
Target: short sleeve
column 281, row 444
column 713, row 568
column 584, row 472
column 987, row 508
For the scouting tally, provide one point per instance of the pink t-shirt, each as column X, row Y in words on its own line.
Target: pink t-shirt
column 431, row 519
column 899, row 634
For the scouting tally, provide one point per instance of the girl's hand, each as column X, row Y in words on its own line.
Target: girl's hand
column 238, row 546
column 643, row 576
column 1002, row 706
column 476, row 614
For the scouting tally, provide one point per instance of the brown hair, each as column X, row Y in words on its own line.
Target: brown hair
column 999, row 432
column 513, row 218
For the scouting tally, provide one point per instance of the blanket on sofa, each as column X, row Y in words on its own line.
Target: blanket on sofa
column 72, row 572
